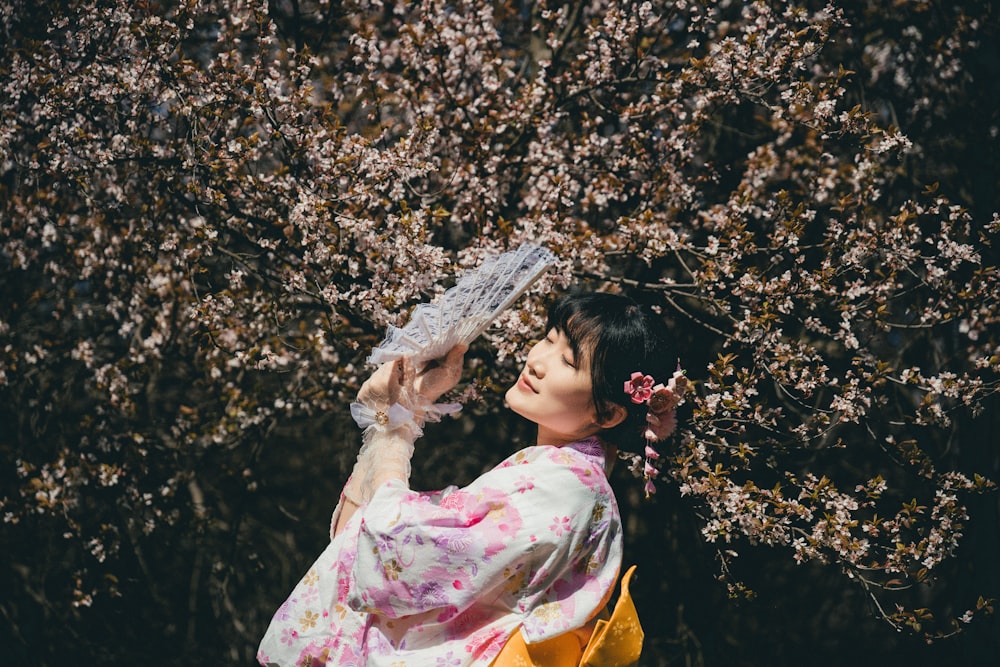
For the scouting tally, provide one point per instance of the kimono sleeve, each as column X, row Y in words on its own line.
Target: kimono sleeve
column 539, row 539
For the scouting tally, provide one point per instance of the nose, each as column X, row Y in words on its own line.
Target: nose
column 535, row 362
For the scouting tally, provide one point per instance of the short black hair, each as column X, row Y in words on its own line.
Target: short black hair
column 616, row 336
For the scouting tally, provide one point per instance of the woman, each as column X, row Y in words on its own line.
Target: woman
column 531, row 548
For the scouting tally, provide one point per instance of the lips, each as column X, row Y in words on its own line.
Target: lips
column 524, row 383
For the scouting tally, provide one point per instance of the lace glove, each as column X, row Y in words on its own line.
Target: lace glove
column 392, row 407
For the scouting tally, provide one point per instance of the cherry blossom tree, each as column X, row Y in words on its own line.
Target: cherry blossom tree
column 211, row 210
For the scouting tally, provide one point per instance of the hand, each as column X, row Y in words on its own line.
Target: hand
column 384, row 386
column 437, row 377
column 401, row 382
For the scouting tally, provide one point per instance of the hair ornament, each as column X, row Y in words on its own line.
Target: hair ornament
column 661, row 417
column 639, row 387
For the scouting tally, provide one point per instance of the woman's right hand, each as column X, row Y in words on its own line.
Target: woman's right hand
column 382, row 389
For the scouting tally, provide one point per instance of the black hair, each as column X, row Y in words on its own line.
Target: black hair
column 616, row 336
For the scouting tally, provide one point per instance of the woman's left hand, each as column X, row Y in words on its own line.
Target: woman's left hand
column 401, row 382
column 437, row 377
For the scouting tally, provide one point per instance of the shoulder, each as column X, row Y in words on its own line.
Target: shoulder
column 545, row 481
column 567, row 455
column 583, row 465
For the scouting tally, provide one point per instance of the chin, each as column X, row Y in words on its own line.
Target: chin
column 507, row 395
column 513, row 400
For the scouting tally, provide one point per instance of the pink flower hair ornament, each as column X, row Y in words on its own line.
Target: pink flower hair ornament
column 639, row 387
column 661, row 418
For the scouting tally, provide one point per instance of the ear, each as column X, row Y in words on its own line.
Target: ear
column 618, row 415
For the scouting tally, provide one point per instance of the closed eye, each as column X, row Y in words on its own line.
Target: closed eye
column 552, row 338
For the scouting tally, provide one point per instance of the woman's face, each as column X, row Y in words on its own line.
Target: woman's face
column 554, row 391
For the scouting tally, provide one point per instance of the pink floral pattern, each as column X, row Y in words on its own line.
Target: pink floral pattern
column 447, row 577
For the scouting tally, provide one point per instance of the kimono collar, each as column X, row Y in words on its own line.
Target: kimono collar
column 590, row 447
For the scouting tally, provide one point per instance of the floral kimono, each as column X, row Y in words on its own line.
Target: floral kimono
column 445, row 578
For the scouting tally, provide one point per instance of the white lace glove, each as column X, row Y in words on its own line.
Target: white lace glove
column 392, row 407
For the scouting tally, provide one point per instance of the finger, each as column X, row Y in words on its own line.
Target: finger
column 455, row 361
column 384, row 373
column 455, row 355
column 427, row 366
column 407, row 371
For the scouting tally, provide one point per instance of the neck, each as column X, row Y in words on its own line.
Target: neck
column 547, row 437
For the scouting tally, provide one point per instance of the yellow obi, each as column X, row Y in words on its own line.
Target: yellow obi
column 612, row 642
